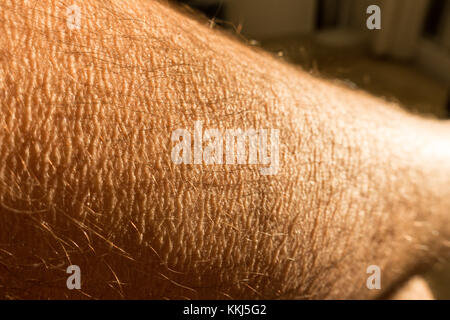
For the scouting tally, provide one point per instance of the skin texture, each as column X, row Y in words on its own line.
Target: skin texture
column 86, row 176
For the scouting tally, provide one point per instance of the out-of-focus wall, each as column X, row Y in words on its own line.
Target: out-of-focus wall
column 269, row 18
column 402, row 25
column 401, row 35
column 444, row 36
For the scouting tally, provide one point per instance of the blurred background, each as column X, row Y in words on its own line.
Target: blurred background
column 407, row 60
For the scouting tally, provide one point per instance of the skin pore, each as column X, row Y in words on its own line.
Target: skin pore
column 86, row 175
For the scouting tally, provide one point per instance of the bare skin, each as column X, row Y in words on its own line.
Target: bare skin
column 87, row 177
column 415, row 288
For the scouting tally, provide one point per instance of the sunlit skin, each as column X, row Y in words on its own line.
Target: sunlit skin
column 86, row 175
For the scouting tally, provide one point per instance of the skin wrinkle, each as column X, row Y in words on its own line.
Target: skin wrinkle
column 87, row 178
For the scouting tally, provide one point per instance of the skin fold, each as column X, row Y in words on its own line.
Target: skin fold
column 86, row 176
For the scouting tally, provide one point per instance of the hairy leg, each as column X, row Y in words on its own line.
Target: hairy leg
column 87, row 176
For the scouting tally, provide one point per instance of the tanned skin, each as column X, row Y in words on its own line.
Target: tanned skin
column 86, row 176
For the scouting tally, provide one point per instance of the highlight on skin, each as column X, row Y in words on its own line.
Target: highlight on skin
column 86, row 175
